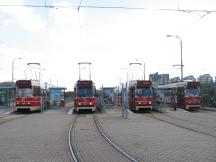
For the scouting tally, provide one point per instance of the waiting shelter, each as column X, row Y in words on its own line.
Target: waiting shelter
column 7, row 96
column 108, row 95
column 57, row 96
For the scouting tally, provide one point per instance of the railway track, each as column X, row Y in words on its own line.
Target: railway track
column 185, row 124
column 88, row 142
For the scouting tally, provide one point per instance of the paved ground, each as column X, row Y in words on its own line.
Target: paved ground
column 5, row 110
column 37, row 137
column 90, row 145
column 41, row 137
column 153, row 140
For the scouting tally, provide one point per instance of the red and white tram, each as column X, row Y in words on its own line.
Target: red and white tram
column 184, row 95
column 30, row 95
column 140, row 95
column 85, row 95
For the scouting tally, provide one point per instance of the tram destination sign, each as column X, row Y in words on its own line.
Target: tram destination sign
column 24, row 84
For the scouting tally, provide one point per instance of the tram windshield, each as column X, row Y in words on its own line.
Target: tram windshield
column 192, row 92
column 85, row 92
column 24, row 92
column 145, row 92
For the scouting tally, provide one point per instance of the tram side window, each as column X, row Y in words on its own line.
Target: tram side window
column 36, row 91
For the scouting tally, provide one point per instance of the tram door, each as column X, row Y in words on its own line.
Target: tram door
column 132, row 97
column 180, row 96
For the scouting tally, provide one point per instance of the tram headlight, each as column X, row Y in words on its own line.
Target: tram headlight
column 90, row 103
column 79, row 103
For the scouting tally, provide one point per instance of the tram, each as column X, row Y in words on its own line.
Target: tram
column 184, row 95
column 30, row 95
column 85, row 95
column 140, row 95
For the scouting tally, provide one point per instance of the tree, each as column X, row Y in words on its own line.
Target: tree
column 208, row 93
column 6, row 84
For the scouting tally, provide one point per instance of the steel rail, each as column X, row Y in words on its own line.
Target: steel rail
column 70, row 144
column 109, row 140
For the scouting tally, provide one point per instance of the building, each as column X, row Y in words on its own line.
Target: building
column 159, row 79
column 189, row 78
column 175, row 80
column 57, row 96
column 205, row 78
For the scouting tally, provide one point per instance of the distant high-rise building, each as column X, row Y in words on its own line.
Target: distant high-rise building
column 205, row 78
column 175, row 80
column 189, row 78
column 159, row 79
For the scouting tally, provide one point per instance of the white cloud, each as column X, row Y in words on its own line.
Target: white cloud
column 111, row 39
column 25, row 17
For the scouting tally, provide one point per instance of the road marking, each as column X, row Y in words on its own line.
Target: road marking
column 70, row 112
column 182, row 110
column 129, row 111
column 9, row 112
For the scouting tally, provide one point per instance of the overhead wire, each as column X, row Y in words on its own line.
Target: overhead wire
column 79, row 6
column 197, row 20
column 104, row 7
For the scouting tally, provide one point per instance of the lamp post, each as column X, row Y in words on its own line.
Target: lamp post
column 176, row 36
column 13, row 70
column 143, row 68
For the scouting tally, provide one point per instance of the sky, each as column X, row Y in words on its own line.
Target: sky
column 64, row 35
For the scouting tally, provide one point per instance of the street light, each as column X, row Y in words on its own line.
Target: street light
column 143, row 68
column 176, row 36
column 13, row 70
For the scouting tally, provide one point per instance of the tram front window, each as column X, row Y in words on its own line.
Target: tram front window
column 24, row 92
column 84, row 92
column 192, row 92
column 146, row 92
